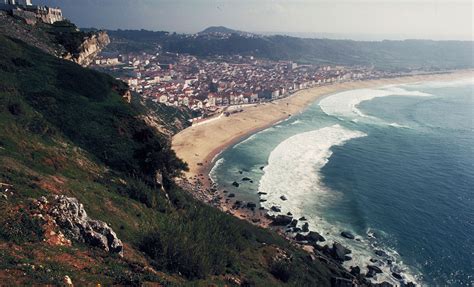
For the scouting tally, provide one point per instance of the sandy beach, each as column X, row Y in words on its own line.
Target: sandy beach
column 199, row 145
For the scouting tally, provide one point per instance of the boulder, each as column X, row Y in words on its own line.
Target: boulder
column 302, row 218
column 67, row 281
column 236, row 184
column 282, row 220
column 262, row 193
column 376, row 269
column 370, row 273
column 409, row 284
column 296, row 229
column 251, row 205
column 246, row 179
column 355, row 270
column 293, row 223
column 313, row 236
column 263, row 200
column 397, row 276
column 381, row 253
column 339, row 252
column 347, row 235
column 305, row 227
column 275, row 209
column 231, row 195
column 71, row 217
column 283, row 198
column 300, row 237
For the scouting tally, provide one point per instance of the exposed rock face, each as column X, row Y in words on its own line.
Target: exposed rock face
column 71, row 217
column 45, row 37
column 89, row 49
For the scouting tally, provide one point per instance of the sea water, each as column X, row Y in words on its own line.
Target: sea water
column 393, row 165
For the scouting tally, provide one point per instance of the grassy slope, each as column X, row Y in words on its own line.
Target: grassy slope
column 66, row 130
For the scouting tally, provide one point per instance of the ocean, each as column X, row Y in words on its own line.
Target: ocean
column 393, row 165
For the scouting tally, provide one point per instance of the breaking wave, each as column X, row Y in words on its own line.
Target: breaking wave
column 294, row 165
column 294, row 171
column 212, row 173
column 345, row 104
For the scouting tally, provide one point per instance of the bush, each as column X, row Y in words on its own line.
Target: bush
column 140, row 191
column 20, row 227
column 281, row 270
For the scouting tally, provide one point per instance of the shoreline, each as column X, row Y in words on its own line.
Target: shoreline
column 199, row 145
column 200, row 184
column 213, row 137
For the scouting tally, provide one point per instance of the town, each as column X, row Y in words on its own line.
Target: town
column 210, row 85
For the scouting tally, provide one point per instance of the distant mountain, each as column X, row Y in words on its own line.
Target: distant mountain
column 221, row 30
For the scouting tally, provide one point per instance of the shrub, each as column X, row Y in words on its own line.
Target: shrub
column 20, row 227
column 281, row 270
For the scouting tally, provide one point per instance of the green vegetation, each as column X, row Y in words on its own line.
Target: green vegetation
column 66, row 130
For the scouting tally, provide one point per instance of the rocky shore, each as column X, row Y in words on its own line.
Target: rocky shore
column 200, row 145
column 296, row 230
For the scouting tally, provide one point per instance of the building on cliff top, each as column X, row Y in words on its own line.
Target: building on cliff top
column 31, row 13
column 18, row 2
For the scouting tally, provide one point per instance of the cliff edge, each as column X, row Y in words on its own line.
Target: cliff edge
column 61, row 39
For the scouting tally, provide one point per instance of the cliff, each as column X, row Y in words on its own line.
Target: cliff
column 91, row 46
column 61, row 39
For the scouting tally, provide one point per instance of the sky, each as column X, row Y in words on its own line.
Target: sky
column 356, row 19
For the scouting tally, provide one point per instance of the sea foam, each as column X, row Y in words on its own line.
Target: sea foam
column 345, row 104
column 293, row 170
column 294, row 165
column 213, row 171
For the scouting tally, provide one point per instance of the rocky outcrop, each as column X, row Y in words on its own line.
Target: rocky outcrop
column 71, row 217
column 89, row 49
column 60, row 40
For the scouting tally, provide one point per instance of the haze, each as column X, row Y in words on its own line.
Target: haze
column 356, row 19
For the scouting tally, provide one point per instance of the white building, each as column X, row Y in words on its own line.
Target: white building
column 18, row 2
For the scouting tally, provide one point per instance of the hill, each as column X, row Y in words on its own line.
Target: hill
column 385, row 55
column 70, row 144
column 221, row 30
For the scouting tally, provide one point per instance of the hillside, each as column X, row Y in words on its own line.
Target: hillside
column 67, row 134
column 386, row 55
